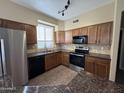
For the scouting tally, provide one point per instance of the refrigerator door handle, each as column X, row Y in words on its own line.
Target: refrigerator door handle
column 2, row 54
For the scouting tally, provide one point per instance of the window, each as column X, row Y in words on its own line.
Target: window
column 45, row 36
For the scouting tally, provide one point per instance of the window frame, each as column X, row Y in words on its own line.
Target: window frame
column 53, row 41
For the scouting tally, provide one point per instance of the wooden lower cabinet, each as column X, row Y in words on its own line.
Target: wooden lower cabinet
column 52, row 60
column 97, row 66
column 65, row 58
column 89, row 66
column 0, row 22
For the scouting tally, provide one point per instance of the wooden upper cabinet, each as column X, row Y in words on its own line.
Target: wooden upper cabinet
column 111, row 33
column 84, row 31
column 76, row 32
column 68, row 37
column 104, row 33
column 60, row 37
column 31, row 34
column 13, row 25
column 92, row 34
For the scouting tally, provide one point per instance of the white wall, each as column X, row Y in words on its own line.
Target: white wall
column 12, row 11
column 99, row 15
column 61, row 25
column 119, row 7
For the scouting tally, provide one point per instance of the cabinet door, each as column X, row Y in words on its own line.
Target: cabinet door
column 89, row 65
column 49, row 61
column 60, row 37
column 76, row 32
column 13, row 25
column 104, row 31
column 0, row 22
column 84, row 31
column 92, row 34
column 59, row 58
column 68, row 37
column 102, row 69
column 31, row 34
column 65, row 58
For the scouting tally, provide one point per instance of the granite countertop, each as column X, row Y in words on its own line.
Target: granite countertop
column 37, row 52
column 104, row 56
column 42, row 53
column 82, row 83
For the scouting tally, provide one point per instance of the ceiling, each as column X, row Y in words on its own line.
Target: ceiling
column 51, row 7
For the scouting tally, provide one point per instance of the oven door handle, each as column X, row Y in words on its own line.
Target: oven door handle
column 77, row 55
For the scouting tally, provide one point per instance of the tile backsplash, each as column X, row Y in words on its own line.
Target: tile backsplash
column 102, row 49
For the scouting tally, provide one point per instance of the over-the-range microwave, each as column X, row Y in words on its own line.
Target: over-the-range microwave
column 80, row 39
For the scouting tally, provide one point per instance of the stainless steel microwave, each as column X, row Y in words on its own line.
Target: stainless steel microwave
column 80, row 39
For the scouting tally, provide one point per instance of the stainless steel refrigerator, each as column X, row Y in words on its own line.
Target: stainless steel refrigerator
column 120, row 63
column 13, row 59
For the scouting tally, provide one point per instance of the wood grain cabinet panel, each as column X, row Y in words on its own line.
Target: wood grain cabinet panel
column 31, row 34
column 13, row 25
column 102, row 69
column 52, row 60
column 59, row 58
column 0, row 22
column 76, row 32
column 104, row 33
column 89, row 67
column 65, row 58
column 84, row 31
column 60, row 37
column 97, row 66
column 92, row 34
column 68, row 37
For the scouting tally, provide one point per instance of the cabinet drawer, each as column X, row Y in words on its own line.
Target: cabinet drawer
column 90, row 59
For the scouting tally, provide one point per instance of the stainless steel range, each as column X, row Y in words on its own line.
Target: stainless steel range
column 77, row 58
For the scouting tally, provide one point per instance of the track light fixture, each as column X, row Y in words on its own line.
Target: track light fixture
column 65, row 8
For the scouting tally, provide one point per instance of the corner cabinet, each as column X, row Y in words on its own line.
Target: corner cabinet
column 98, row 66
column 68, row 37
column 60, row 37
column 31, row 34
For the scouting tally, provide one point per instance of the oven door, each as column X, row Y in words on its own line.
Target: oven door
column 77, row 60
